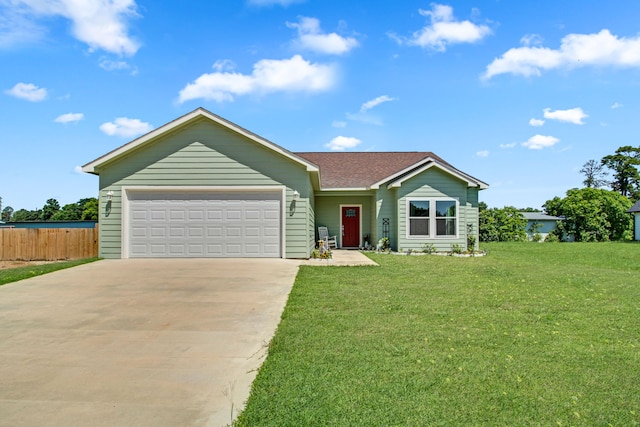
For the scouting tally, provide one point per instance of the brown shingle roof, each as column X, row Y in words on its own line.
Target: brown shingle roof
column 362, row 169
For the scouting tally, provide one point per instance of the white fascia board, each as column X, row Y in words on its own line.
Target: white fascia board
column 471, row 182
column 200, row 112
column 341, row 189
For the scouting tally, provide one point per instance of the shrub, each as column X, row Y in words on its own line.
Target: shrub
column 428, row 248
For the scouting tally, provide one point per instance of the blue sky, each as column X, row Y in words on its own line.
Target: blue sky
column 518, row 94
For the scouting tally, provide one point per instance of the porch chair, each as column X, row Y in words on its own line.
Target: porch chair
column 330, row 241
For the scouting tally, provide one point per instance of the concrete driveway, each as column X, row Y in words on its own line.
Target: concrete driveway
column 138, row 342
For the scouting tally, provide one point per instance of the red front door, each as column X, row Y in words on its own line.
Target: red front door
column 350, row 226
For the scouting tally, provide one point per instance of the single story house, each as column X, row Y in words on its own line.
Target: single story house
column 201, row 186
column 635, row 210
column 541, row 223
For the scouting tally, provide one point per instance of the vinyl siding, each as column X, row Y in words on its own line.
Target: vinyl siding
column 386, row 207
column 328, row 212
column 435, row 183
column 205, row 154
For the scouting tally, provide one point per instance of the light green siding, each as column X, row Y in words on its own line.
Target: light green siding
column 438, row 184
column 328, row 211
column 386, row 208
column 206, row 154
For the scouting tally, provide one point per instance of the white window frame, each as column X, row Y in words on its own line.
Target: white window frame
column 432, row 217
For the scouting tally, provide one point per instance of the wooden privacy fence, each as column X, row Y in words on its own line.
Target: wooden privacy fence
column 48, row 244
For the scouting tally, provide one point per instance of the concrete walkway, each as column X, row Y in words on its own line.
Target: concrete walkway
column 138, row 342
column 343, row 257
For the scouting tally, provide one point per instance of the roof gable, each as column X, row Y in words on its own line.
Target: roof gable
column 198, row 114
column 369, row 170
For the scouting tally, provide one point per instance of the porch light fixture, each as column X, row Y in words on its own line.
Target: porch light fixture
column 109, row 195
column 296, row 195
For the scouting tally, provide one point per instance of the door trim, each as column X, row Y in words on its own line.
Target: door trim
column 128, row 190
column 351, row 205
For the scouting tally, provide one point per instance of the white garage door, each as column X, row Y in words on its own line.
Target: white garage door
column 204, row 225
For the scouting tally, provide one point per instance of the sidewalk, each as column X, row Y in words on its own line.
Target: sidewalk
column 342, row 257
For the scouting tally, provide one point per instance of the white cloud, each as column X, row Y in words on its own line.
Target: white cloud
column 576, row 50
column 311, row 37
column 483, row 153
column 531, row 40
column 123, row 126
column 28, row 91
column 101, row 24
column 109, row 65
column 69, row 118
column 342, row 143
column 339, row 124
column 573, row 115
column 536, row 122
column 616, row 105
column 269, row 75
column 538, row 142
column 375, row 102
column 444, row 30
column 511, row 145
column 15, row 28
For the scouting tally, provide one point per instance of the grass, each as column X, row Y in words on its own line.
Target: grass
column 15, row 274
column 532, row 334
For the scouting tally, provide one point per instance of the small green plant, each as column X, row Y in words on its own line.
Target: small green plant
column 384, row 244
column 471, row 238
column 456, row 249
column 428, row 248
column 471, row 243
column 326, row 254
column 552, row 238
column 315, row 254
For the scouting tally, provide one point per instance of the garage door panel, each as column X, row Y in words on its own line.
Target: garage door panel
column 204, row 225
column 176, row 250
column 139, row 232
column 176, row 215
column 176, row 231
column 252, row 232
column 158, row 214
column 233, row 214
column 271, row 214
column 158, row 232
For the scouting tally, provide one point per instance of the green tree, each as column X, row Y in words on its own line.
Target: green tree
column 594, row 174
column 49, row 210
column 70, row 212
column 624, row 165
column 25, row 215
column 592, row 214
column 7, row 212
column 502, row 225
column 90, row 209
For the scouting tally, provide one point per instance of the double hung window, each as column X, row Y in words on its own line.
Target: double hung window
column 432, row 217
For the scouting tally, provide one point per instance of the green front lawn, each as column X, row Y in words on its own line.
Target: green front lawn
column 14, row 274
column 532, row 334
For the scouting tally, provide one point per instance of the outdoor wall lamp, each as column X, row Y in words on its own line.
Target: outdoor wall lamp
column 296, row 195
column 109, row 195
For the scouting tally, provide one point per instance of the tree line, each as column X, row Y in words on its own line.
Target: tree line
column 83, row 209
column 597, row 212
